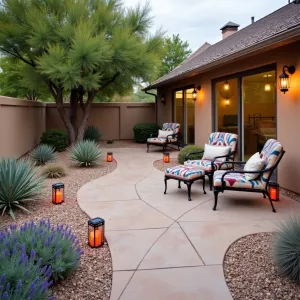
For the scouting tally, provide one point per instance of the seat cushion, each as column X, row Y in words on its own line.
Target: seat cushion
column 158, row 140
column 237, row 180
column 205, row 164
column 184, row 173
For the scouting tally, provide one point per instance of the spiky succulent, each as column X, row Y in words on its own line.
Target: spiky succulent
column 85, row 153
column 92, row 133
column 286, row 249
column 42, row 154
column 54, row 170
column 19, row 184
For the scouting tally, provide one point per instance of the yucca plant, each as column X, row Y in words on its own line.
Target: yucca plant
column 85, row 153
column 54, row 170
column 19, row 184
column 42, row 154
column 92, row 133
column 286, row 249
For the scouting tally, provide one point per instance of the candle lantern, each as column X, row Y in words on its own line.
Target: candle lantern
column 96, row 232
column 274, row 191
column 58, row 193
column 109, row 157
column 166, row 157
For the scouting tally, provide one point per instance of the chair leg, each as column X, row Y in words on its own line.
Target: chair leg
column 271, row 202
column 264, row 195
column 216, row 199
column 178, row 146
column 210, row 177
column 179, row 186
column 203, row 183
column 189, row 184
column 147, row 147
column 166, row 185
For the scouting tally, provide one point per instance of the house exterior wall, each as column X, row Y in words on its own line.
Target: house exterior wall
column 288, row 106
column 21, row 124
column 114, row 120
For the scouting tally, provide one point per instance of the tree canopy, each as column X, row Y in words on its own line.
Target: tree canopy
column 81, row 49
column 176, row 51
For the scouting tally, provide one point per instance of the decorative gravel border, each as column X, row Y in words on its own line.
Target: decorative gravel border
column 93, row 279
column 290, row 194
column 251, row 274
column 162, row 166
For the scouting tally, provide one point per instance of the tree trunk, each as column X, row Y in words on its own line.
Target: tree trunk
column 73, row 110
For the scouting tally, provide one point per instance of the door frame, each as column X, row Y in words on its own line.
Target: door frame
column 183, row 126
column 239, row 76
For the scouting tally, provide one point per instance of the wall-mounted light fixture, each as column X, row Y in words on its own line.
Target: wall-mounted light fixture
column 163, row 100
column 285, row 81
column 227, row 102
column 226, row 86
column 194, row 94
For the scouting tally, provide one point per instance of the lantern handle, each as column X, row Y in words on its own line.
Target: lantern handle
column 289, row 69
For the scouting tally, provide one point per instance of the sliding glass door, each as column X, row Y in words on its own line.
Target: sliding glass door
column 245, row 104
column 184, row 114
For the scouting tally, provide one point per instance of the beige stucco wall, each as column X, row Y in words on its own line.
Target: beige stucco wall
column 21, row 125
column 115, row 120
column 288, row 106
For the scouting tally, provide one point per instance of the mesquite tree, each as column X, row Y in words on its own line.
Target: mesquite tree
column 80, row 48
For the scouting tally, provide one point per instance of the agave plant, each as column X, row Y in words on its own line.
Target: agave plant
column 85, row 153
column 54, row 170
column 286, row 249
column 42, row 154
column 19, row 184
column 92, row 133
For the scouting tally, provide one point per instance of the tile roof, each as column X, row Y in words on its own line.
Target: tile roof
column 272, row 25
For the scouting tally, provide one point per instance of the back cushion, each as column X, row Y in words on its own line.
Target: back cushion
column 223, row 139
column 171, row 127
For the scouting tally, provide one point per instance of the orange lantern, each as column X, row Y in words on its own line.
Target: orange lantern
column 96, row 232
column 166, row 157
column 274, row 191
column 109, row 157
column 58, row 193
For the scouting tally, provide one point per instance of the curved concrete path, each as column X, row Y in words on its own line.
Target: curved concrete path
column 164, row 247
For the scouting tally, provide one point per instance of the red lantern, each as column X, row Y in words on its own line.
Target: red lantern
column 166, row 157
column 109, row 157
column 58, row 193
column 274, row 191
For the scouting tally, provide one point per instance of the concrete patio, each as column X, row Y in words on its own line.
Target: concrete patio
column 165, row 247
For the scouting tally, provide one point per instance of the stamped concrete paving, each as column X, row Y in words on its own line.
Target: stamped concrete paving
column 164, row 247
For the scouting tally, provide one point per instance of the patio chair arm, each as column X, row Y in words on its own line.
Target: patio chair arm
column 213, row 166
column 152, row 135
column 233, row 163
column 191, row 153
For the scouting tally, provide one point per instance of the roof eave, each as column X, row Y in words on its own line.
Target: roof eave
column 289, row 34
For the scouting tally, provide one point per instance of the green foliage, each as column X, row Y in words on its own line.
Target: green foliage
column 54, row 170
column 286, row 249
column 85, row 153
column 141, row 96
column 19, row 184
column 144, row 130
column 55, row 246
column 42, row 154
column 176, row 51
column 21, row 275
column 188, row 149
column 14, row 81
column 58, row 139
column 92, row 133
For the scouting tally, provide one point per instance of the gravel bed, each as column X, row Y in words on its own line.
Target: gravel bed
column 161, row 165
column 290, row 194
column 93, row 279
column 250, row 273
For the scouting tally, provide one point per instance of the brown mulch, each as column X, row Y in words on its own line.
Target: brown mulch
column 251, row 274
column 93, row 279
column 162, row 166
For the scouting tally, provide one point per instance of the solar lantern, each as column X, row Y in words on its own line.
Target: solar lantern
column 58, row 193
column 96, row 232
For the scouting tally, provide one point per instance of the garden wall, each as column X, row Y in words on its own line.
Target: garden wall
column 21, row 125
column 115, row 120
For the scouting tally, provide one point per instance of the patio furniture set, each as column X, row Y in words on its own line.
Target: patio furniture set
column 218, row 164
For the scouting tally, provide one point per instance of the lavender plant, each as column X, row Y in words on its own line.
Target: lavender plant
column 21, row 276
column 56, row 245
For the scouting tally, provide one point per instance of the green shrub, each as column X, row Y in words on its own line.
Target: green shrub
column 85, row 153
column 92, row 133
column 184, row 151
column 56, row 246
column 42, row 154
column 54, row 170
column 143, row 131
column 19, row 184
column 286, row 249
column 21, row 275
column 56, row 138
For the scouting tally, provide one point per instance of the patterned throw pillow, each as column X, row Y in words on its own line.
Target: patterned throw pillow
column 210, row 152
column 254, row 163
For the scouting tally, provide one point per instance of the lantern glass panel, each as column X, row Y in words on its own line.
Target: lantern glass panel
column 96, row 232
column 58, row 193
column 109, row 156
column 274, row 191
column 166, row 157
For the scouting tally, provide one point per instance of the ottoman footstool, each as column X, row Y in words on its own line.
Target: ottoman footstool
column 188, row 175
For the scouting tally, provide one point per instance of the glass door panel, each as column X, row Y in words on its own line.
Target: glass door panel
column 190, row 117
column 259, row 111
column 179, row 110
